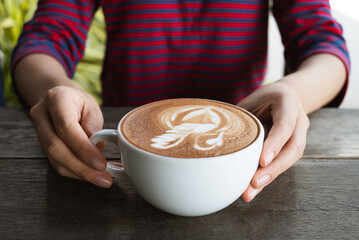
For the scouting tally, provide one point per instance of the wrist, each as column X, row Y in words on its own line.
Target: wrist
column 318, row 80
column 35, row 74
column 289, row 85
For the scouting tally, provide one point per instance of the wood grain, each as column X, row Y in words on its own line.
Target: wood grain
column 318, row 198
column 18, row 134
column 334, row 133
column 313, row 200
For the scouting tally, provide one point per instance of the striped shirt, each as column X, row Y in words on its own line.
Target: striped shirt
column 158, row 49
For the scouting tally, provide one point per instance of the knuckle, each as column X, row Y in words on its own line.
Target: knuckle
column 53, row 92
column 286, row 123
column 84, row 173
column 283, row 97
column 33, row 112
column 306, row 121
column 63, row 127
column 61, row 170
column 286, row 97
column 300, row 155
column 51, row 147
column 299, row 149
column 277, row 171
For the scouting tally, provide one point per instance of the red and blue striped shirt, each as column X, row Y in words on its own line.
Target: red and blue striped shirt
column 159, row 49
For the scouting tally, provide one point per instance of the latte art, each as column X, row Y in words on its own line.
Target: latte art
column 189, row 128
column 196, row 122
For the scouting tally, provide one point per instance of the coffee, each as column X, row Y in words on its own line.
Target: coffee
column 190, row 128
column 194, row 130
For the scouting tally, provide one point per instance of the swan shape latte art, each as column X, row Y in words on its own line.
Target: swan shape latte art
column 189, row 128
column 203, row 126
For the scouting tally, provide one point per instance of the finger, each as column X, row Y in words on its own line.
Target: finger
column 68, row 128
column 290, row 154
column 63, row 159
column 284, row 121
column 101, row 145
column 35, row 112
column 263, row 113
column 249, row 103
column 257, row 99
column 91, row 122
column 92, row 118
column 62, row 170
column 250, row 193
column 117, row 164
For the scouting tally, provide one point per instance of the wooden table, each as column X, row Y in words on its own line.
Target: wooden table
column 318, row 198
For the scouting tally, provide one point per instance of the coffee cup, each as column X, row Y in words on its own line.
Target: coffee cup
column 188, row 157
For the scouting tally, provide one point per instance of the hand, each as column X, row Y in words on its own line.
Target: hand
column 279, row 104
column 65, row 118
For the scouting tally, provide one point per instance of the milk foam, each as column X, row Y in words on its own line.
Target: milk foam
column 195, row 122
column 189, row 128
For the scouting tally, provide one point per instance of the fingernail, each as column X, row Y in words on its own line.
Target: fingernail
column 263, row 180
column 102, row 181
column 253, row 192
column 96, row 164
column 269, row 158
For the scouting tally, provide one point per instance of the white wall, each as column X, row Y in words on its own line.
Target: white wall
column 275, row 52
column 346, row 12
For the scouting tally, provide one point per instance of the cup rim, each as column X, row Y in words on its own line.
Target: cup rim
column 258, row 137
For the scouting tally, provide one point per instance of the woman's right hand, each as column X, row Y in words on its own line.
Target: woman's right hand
column 65, row 118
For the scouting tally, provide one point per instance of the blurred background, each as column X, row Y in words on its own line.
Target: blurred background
column 346, row 13
column 14, row 13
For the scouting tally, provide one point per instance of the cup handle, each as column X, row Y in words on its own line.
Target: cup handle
column 109, row 135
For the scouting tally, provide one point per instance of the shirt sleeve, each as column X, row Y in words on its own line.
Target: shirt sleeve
column 58, row 28
column 307, row 28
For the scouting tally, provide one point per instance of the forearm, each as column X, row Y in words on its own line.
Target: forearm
column 317, row 80
column 35, row 74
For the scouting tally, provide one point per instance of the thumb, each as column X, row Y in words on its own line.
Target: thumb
column 248, row 103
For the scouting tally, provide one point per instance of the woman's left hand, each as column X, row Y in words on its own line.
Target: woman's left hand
column 279, row 104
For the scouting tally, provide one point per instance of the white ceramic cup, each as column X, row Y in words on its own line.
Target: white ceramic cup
column 185, row 186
